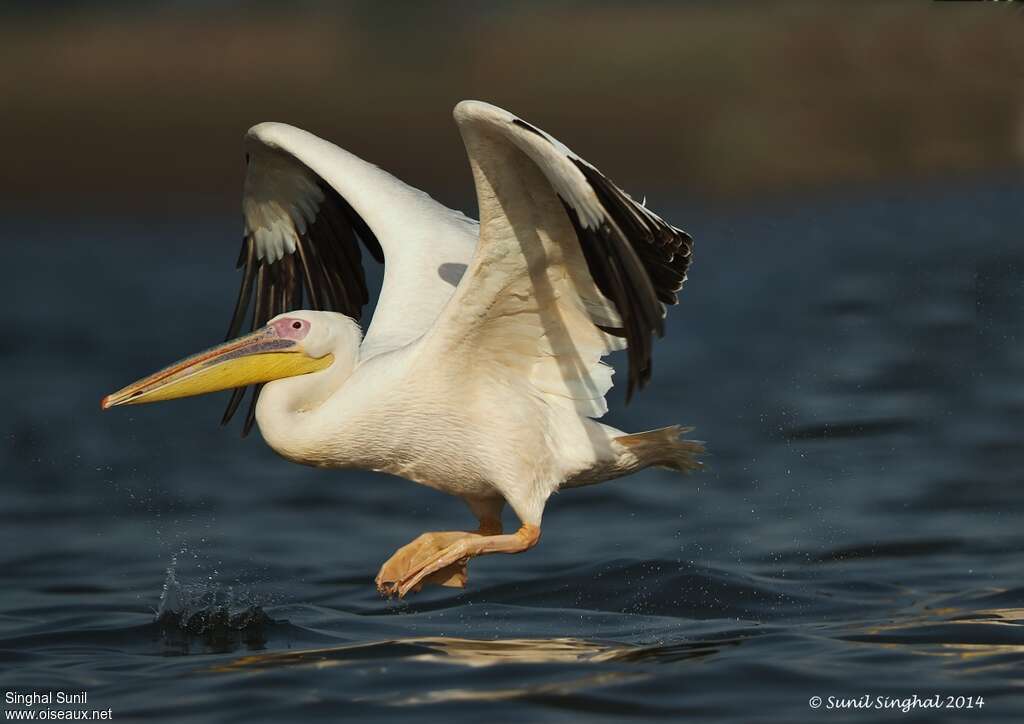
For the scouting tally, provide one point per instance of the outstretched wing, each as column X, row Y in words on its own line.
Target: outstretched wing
column 568, row 266
column 308, row 207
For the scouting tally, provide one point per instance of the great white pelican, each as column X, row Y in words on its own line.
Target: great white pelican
column 480, row 374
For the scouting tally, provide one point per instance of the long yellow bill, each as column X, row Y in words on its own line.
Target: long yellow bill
column 262, row 356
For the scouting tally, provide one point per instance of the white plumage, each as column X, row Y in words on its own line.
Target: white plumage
column 481, row 372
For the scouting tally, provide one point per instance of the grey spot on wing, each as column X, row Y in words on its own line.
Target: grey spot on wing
column 451, row 272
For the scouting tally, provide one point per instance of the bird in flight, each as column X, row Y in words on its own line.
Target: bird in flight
column 480, row 374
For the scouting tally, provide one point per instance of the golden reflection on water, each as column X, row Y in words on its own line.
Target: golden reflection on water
column 558, row 688
column 475, row 652
column 955, row 641
column 467, row 652
column 959, row 650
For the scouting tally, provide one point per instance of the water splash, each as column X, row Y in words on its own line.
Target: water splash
column 204, row 613
column 170, row 598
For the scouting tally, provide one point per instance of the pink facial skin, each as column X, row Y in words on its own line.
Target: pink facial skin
column 291, row 328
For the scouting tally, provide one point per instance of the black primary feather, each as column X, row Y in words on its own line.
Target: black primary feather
column 638, row 261
column 325, row 269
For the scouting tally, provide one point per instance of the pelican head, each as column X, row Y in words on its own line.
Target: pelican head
column 291, row 344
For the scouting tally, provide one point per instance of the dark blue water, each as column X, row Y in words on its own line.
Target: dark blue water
column 854, row 362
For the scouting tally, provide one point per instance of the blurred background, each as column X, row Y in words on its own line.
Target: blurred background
column 141, row 106
column 848, row 344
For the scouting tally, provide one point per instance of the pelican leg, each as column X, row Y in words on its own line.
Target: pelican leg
column 457, row 553
column 413, row 556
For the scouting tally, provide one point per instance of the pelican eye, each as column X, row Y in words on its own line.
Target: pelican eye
column 296, row 325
